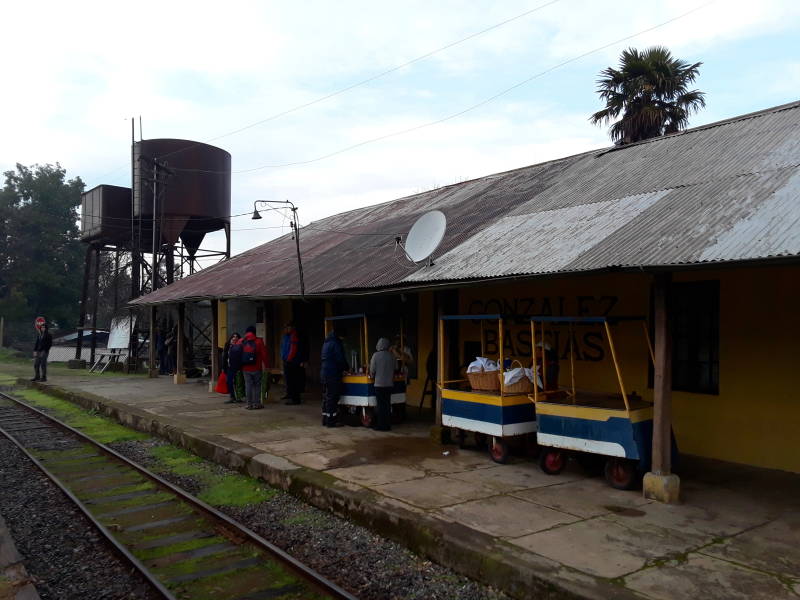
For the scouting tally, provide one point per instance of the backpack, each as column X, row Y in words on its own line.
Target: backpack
column 235, row 356
column 249, row 352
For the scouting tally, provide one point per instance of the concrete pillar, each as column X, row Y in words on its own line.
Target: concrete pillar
column 660, row 483
column 180, row 370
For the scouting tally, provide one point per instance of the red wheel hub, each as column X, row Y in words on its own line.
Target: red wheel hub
column 554, row 461
column 620, row 473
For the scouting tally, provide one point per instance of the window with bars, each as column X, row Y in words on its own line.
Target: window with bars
column 695, row 337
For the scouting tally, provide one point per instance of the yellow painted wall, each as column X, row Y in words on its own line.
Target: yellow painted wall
column 754, row 420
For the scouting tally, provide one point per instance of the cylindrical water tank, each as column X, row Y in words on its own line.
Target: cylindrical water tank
column 193, row 191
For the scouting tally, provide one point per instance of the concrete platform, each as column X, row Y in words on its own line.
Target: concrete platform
column 735, row 535
column 14, row 581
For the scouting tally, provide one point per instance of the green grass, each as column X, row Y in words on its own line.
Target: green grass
column 218, row 489
column 99, row 428
column 236, row 490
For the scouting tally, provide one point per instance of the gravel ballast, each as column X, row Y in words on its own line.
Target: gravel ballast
column 65, row 556
column 369, row 566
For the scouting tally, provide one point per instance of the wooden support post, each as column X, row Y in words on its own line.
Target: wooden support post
column 501, row 357
column 660, row 484
column 533, row 365
column 212, row 381
column 95, row 303
column 440, row 373
column 152, row 370
column 180, row 370
column 87, row 266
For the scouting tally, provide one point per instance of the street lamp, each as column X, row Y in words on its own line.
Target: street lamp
column 295, row 233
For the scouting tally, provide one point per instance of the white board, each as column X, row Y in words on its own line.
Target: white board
column 120, row 334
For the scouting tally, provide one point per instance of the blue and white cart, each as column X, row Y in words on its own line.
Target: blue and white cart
column 358, row 390
column 497, row 415
column 614, row 428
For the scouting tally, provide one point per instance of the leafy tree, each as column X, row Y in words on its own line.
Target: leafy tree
column 41, row 256
column 651, row 92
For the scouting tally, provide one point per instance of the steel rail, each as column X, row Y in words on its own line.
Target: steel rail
column 118, row 547
column 292, row 563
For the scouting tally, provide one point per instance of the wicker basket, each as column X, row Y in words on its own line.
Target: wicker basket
column 485, row 381
column 523, row 386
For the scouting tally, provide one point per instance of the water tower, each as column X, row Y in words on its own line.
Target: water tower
column 181, row 190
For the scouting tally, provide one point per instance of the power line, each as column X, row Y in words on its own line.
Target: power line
column 463, row 111
column 358, row 83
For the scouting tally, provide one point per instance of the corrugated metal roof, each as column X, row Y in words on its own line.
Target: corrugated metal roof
column 729, row 191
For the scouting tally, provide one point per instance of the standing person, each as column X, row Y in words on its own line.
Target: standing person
column 333, row 366
column 161, row 349
column 254, row 361
column 381, row 369
column 172, row 350
column 231, row 364
column 41, row 348
column 293, row 354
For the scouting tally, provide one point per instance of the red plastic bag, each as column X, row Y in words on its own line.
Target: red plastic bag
column 222, row 384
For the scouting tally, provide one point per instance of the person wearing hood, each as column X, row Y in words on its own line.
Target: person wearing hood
column 381, row 369
column 333, row 367
column 41, row 348
column 254, row 361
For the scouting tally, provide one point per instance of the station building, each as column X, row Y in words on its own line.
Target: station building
column 713, row 213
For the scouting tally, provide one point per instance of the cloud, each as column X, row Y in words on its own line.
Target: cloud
column 201, row 69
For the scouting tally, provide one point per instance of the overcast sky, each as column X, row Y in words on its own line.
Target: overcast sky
column 76, row 72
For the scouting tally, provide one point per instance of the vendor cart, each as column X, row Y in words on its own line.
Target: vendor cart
column 498, row 414
column 613, row 429
column 358, row 391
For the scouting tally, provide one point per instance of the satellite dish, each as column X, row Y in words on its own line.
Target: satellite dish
column 425, row 235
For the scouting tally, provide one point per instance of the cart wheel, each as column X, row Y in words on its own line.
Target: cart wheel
column 620, row 473
column 552, row 461
column 461, row 438
column 498, row 450
column 366, row 416
column 480, row 440
column 398, row 413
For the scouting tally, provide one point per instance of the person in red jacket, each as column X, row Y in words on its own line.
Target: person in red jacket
column 254, row 361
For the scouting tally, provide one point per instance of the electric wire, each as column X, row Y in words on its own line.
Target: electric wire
column 461, row 112
column 370, row 79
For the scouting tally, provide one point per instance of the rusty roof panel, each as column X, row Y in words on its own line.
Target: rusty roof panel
column 729, row 191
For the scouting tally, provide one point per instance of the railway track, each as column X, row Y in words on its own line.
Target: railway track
column 183, row 547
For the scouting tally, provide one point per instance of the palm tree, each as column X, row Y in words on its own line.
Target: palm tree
column 650, row 91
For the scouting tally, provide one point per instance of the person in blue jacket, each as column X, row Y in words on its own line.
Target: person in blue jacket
column 333, row 367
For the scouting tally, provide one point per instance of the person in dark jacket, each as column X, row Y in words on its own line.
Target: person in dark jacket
column 231, row 364
column 41, row 348
column 161, row 350
column 381, row 369
column 293, row 355
column 254, row 362
column 333, row 367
